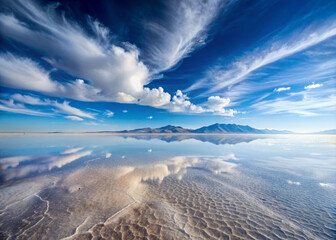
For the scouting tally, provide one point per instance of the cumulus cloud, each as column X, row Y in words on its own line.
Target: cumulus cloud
column 150, row 117
column 214, row 104
column 282, row 89
column 104, row 70
column 154, row 97
column 74, row 118
column 112, row 73
column 313, row 85
column 180, row 103
column 125, row 111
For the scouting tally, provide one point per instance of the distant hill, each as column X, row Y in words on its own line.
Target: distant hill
column 227, row 128
column 215, row 128
column 165, row 129
column 332, row 131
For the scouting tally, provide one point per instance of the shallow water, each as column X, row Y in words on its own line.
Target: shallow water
column 168, row 187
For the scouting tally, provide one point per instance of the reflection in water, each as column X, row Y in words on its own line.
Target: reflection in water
column 217, row 139
column 22, row 166
column 248, row 191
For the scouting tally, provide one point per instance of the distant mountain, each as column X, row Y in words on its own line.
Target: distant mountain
column 215, row 128
column 165, row 129
column 332, row 131
column 227, row 128
column 234, row 128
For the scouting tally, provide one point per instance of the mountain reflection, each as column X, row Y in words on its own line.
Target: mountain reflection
column 214, row 139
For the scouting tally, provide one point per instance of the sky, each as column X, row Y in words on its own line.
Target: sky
column 86, row 65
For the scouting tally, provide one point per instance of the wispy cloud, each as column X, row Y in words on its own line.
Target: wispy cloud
column 67, row 109
column 74, row 118
column 313, row 85
column 327, row 185
column 221, row 76
column 16, row 104
column 109, row 113
column 300, row 103
column 184, row 29
column 293, row 182
column 282, row 89
column 10, row 106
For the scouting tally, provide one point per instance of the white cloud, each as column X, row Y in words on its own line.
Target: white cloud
column 38, row 163
column 124, row 111
column 71, row 150
column 105, row 71
column 313, row 85
column 282, row 89
column 29, row 99
column 67, row 109
column 23, row 73
column 293, row 182
column 64, row 108
column 180, row 103
column 10, row 106
column 306, row 105
column 183, row 29
column 150, row 117
column 154, row 97
column 217, row 104
column 214, row 104
column 327, row 185
column 219, row 77
column 113, row 73
column 109, row 113
column 74, row 118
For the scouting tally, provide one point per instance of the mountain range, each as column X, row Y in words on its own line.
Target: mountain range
column 212, row 129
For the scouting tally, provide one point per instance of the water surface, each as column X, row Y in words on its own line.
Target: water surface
column 170, row 187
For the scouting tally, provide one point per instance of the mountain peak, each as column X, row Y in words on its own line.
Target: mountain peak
column 220, row 128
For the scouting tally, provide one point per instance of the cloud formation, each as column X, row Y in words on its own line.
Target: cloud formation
column 301, row 103
column 313, row 85
column 282, row 89
column 214, row 104
column 221, row 76
column 74, row 118
column 105, row 70
column 11, row 106
column 109, row 113
column 16, row 104
column 184, row 29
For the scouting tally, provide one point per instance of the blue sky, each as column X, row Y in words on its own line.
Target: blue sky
column 112, row 65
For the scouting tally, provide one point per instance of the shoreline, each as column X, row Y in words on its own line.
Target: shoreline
column 154, row 134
